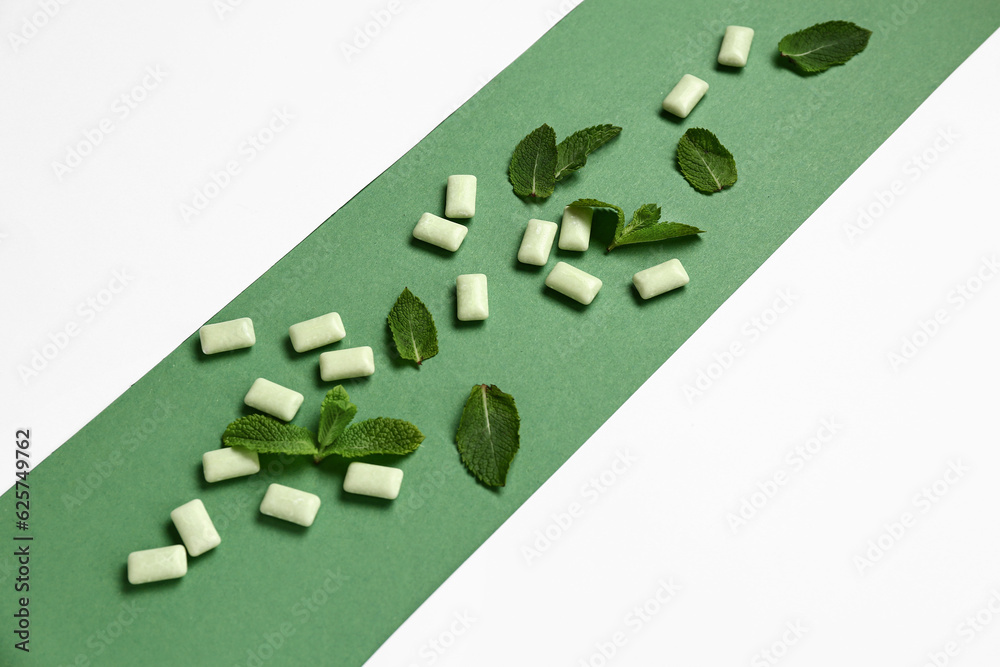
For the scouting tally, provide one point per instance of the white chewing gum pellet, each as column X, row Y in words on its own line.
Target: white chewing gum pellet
column 226, row 336
column 354, row 362
column 229, row 462
column 440, row 232
column 367, row 479
column 660, row 278
column 473, row 300
column 536, row 244
column 288, row 504
column 688, row 91
column 157, row 564
column 460, row 201
column 275, row 400
column 573, row 282
column 574, row 233
column 195, row 527
column 317, row 332
column 735, row 46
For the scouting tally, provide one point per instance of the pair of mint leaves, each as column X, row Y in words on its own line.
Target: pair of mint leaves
column 538, row 163
column 336, row 435
column 488, row 434
column 820, row 47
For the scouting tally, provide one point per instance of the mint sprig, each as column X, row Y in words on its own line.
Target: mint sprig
column 266, row 435
column 538, row 163
column 706, row 164
column 820, row 47
column 644, row 227
column 488, row 434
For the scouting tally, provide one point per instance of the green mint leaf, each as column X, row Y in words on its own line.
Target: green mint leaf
column 706, row 164
column 645, row 226
column 487, row 436
column 413, row 328
column 824, row 45
column 267, row 435
column 335, row 414
column 376, row 436
column 533, row 166
column 572, row 152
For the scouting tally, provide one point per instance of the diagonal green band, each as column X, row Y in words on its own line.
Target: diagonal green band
column 330, row 594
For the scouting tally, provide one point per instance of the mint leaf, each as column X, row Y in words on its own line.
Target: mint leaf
column 376, row 436
column 267, row 435
column 644, row 226
column 487, row 435
column 572, row 152
column 413, row 328
column 706, row 164
column 335, row 414
column 824, row 45
column 533, row 166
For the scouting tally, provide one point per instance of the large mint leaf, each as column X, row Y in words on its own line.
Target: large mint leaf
column 413, row 328
column 706, row 164
column 488, row 434
column 533, row 165
column 824, row 45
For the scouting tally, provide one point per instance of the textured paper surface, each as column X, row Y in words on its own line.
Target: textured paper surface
column 332, row 593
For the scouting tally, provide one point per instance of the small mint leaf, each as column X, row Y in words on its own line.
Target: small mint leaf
column 488, row 434
column 533, row 165
column 413, row 328
column 376, row 436
column 572, row 152
column 824, row 45
column 335, row 414
column 706, row 164
column 266, row 435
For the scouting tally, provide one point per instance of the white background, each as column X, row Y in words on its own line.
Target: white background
column 868, row 483
column 628, row 555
